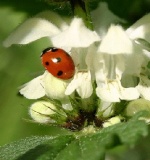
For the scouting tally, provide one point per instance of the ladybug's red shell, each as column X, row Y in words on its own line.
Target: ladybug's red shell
column 58, row 62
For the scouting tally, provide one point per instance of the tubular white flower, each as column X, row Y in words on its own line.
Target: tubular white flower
column 116, row 41
column 82, row 84
column 108, row 71
column 31, row 30
column 77, row 35
column 107, row 55
column 142, row 32
column 36, row 28
column 140, row 29
column 114, row 61
column 61, row 35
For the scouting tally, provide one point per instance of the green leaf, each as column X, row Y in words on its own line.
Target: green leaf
column 26, row 6
column 34, row 147
column 63, row 7
column 95, row 146
column 71, row 147
column 129, row 10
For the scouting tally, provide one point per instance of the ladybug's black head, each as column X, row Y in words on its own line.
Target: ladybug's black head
column 52, row 49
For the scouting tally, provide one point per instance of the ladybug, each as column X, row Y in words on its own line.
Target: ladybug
column 58, row 62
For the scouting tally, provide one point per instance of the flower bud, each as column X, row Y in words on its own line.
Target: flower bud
column 54, row 87
column 137, row 105
column 105, row 110
column 42, row 111
column 112, row 121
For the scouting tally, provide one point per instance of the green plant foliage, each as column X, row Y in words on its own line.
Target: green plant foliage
column 18, row 65
column 129, row 10
column 65, row 147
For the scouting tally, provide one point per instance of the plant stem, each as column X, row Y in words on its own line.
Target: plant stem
column 81, row 10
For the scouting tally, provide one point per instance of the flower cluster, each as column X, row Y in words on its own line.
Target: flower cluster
column 112, row 65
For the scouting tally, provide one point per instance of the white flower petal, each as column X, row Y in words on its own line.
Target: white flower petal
column 90, row 57
column 144, row 87
column 82, row 84
column 129, row 94
column 105, row 108
column 78, row 55
column 134, row 62
column 108, row 93
column 33, row 89
column 141, row 22
column 77, row 35
column 116, row 41
column 54, row 87
column 112, row 121
column 31, row 30
column 100, row 68
column 102, row 17
column 142, row 32
column 85, row 90
column 108, row 67
column 67, row 106
column 113, row 91
column 60, row 21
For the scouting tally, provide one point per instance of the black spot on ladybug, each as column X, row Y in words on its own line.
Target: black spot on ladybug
column 52, row 49
column 59, row 73
column 47, row 63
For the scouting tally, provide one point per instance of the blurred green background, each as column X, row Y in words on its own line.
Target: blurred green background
column 20, row 64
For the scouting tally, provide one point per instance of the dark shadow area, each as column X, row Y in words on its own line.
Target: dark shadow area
column 33, row 154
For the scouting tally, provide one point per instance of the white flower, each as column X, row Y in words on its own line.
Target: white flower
column 72, row 35
column 140, row 29
column 61, row 35
column 119, row 56
column 111, row 61
column 81, row 79
column 144, row 87
column 107, row 55
column 45, row 84
column 116, row 41
column 112, row 121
